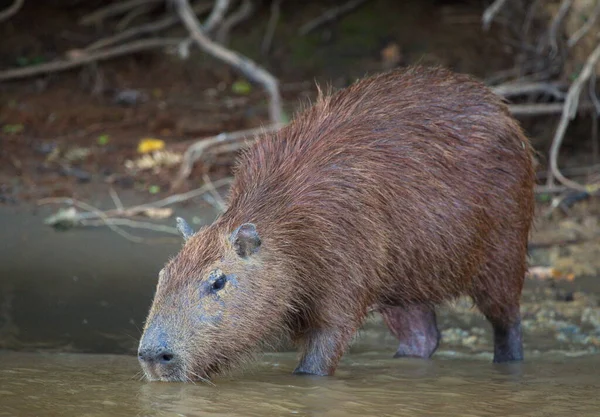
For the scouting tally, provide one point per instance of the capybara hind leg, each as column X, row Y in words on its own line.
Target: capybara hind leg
column 322, row 351
column 415, row 327
column 503, row 314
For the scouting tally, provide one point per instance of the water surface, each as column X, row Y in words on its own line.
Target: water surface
column 365, row 385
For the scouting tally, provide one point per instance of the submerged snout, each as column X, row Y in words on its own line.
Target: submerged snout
column 157, row 356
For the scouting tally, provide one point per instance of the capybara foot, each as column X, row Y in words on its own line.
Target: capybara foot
column 415, row 327
column 508, row 344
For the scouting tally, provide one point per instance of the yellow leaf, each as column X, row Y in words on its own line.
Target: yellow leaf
column 147, row 145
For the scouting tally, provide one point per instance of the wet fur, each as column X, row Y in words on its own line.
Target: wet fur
column 408, row 188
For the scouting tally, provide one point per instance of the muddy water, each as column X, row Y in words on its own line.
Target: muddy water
column 365, row 385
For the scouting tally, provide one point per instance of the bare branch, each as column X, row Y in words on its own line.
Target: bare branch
column 569, row 112
column 330, row 15
column 198, row 149
column 11, row 10
column 241, row 14
column 86, row 58
column 217, row 15
column 265, row 47
column 564, row 8
column 112, row 10
column 153, row 27
column 249, row 68
column 516, row 89
column 491, row 12
column 576, row 37
column 542, row 109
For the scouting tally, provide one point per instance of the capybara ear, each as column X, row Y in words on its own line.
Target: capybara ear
column 184, row 228
column 245, row 240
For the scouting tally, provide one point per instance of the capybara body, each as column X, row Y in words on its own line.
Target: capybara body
column 396, row 194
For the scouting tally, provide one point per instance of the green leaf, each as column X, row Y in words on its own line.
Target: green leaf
column 13, row 129
column 241, row 87
column 544, row 198
column 154, row 189
column 103, row 140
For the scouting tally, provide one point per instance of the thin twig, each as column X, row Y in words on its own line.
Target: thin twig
column 115, row 198
column 242, row 13
column 221, row 205
column 11, row 10
column 569, row 112
column 596, row 102
column 583, row 30
column 265, row 46
column 133, row 13
column 152, row 27
column 491, row 12
column 564, row 8
column 112, row 10
column 86, row 58
column 249, row 68
column 329, row 15
column 217, row 15
column 134, row 224
column 197, row 150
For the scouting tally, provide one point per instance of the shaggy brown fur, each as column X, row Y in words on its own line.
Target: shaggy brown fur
column 398, row 193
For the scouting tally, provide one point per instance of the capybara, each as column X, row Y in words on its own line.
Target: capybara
column 395, row 194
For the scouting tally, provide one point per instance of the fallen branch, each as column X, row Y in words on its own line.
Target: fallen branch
column 199, row 149
column 491, row 12
column 113, row 10
column 11, row 10
column 249, row 68
column 241, row 14
column 115, row 218
column 569, row 112
column 517, row 89
column 86, row 58
column 265, row 46
column 329, row 15
column 583, row 30
column 523, row 110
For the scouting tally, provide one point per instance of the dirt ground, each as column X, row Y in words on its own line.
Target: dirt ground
column 71, row 133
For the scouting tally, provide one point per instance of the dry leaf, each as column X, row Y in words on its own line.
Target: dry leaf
column 544, row 273
column 158, row 213
column 148, row 145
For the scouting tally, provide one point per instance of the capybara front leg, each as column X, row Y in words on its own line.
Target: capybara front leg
column 415, row 327
column 322, row 351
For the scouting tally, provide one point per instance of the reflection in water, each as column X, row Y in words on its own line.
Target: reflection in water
column 365, row 385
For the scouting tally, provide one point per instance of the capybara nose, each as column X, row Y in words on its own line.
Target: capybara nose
column 156, row 354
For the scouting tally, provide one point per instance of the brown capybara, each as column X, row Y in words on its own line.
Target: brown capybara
column 396, row 194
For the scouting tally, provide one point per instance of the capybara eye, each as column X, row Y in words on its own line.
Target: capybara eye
column 219, row 283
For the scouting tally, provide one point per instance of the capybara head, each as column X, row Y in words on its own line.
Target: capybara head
column 212, row 306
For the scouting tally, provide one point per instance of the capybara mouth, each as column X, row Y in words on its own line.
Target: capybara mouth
column 204, row 374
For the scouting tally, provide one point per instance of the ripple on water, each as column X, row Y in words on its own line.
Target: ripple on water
column 365, row 385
